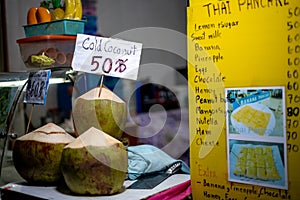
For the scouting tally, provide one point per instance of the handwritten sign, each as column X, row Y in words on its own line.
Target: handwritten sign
column 232, row 45
column 107, row 56
column 37, row 87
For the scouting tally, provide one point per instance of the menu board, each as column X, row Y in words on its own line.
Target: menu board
column 243, row 73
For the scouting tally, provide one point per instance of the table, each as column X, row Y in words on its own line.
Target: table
column 21, row 190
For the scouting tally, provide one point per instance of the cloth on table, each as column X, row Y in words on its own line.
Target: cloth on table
column 178, row 192
column 143, row 159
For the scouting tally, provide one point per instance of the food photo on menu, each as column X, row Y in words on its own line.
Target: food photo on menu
column 255, row 111
column 256, row 136
column 257, row 163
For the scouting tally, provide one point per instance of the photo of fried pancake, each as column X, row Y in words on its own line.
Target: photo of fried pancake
column 254, row 119
column 256, row 162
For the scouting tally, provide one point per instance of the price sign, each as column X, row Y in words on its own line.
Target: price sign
column 37, row 87
column 107, row 56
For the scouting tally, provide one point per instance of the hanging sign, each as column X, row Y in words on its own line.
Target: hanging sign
column 107, row 56
column 37, row 87
column 243, row 73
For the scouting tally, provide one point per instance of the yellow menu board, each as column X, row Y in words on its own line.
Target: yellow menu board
column 245, row 48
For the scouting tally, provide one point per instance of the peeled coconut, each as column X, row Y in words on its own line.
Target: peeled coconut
column 106, row 112
column 37, row 155
column 95, row 164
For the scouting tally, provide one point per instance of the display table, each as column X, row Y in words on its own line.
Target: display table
column 23, row 191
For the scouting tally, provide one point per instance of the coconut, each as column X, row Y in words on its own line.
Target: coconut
column 106, row 112
column 94, row 164
column 37, row 155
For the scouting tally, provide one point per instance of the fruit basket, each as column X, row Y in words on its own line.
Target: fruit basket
column 57, row 27
column 47, row 51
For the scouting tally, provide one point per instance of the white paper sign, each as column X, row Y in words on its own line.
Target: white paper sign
column 107, row 56
column 37, row 87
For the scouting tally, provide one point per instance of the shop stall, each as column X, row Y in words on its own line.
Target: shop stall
column 84, row 148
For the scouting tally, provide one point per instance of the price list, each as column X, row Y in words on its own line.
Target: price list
column 245, row 44
column 292, row 85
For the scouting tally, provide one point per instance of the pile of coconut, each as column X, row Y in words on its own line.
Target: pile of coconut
column 91, row 162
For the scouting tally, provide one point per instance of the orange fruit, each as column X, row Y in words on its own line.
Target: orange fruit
column 31, row 16
column 43, row 15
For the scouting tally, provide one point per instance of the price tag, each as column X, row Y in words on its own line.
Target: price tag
column 107, row 56
column 37, row 87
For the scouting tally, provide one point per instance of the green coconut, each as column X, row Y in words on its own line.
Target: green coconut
column 37, row 155
column 94, row 164
column 106, row 112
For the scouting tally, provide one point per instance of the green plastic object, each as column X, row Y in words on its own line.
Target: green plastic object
column 57, row 27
